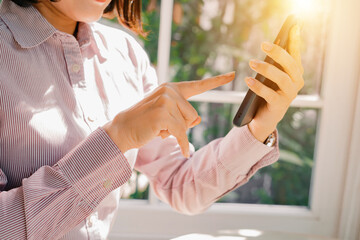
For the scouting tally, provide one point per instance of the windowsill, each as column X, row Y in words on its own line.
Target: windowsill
column 225, row 208
column 247, row 234
column 220, row 221
column 239, row 234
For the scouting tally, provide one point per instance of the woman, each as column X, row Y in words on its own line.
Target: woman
column 80, row 108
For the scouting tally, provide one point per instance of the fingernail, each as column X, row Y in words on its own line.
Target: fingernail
column 254, row 63
column 196, row 122
column 250, row 81
column 267, row 46
column 230, row 74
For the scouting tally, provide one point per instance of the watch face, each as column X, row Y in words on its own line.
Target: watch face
column 270, row 141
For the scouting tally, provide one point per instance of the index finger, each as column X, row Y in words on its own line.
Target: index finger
column 192, row 88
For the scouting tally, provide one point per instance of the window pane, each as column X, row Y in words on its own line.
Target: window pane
column 210, row 37
column 286, row 182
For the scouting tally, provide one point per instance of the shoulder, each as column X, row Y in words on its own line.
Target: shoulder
column 7, row 42
column 116, row 39
column 2, row 24
column 4, row 30
column 122, row 45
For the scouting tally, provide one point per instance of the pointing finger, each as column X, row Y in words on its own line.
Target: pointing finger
column 191, row 88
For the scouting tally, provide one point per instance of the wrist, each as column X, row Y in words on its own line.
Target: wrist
column 112, row 130
column 261, row 133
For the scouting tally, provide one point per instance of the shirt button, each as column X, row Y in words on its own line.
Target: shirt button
column 91, row 119
column 107, row 183
column 89, row 223
column 91, row 220
column 76, row 68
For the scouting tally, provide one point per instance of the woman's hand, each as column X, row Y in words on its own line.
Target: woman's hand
column 164, row 112
column 289, row 81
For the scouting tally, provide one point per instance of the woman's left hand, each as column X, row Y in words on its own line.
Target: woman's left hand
column 289, row 81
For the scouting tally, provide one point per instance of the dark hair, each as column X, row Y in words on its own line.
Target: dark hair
column 128, row 12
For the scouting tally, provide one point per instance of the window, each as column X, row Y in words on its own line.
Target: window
column 211, row 37
column 315, row 135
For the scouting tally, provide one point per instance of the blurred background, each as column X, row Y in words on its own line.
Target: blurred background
column 313, row 191
column 211, row 37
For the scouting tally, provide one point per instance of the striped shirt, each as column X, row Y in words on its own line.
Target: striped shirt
column 60, row 173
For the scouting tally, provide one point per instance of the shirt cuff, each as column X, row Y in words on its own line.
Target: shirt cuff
column 255, row 154
column 95, row 167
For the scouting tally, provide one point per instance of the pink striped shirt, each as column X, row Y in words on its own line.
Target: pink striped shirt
column 60, row 173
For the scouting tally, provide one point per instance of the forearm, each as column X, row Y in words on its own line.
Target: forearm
column 192, row 185
column 55, row 199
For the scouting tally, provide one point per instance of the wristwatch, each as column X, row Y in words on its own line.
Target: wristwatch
column 270, row 140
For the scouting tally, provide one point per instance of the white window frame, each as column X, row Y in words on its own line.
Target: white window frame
column 335, row 193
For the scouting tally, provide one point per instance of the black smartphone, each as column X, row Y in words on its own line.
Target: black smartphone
column 252, row 102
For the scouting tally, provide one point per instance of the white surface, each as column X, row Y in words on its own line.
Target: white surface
column 229, row 234
column 350, row 217
column 249, row 234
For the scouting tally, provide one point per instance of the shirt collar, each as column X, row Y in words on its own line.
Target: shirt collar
column 87, row 41
column 30, row 28
column 27, row 25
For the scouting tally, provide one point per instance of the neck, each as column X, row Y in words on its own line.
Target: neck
column 56, row 18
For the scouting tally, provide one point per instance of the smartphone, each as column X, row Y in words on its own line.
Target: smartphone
column 252, row 102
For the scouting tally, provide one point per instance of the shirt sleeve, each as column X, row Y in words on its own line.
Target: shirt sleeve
column 191, row 185
column 55, row 199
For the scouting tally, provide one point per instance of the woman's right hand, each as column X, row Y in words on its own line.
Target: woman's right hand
column 164, row 112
